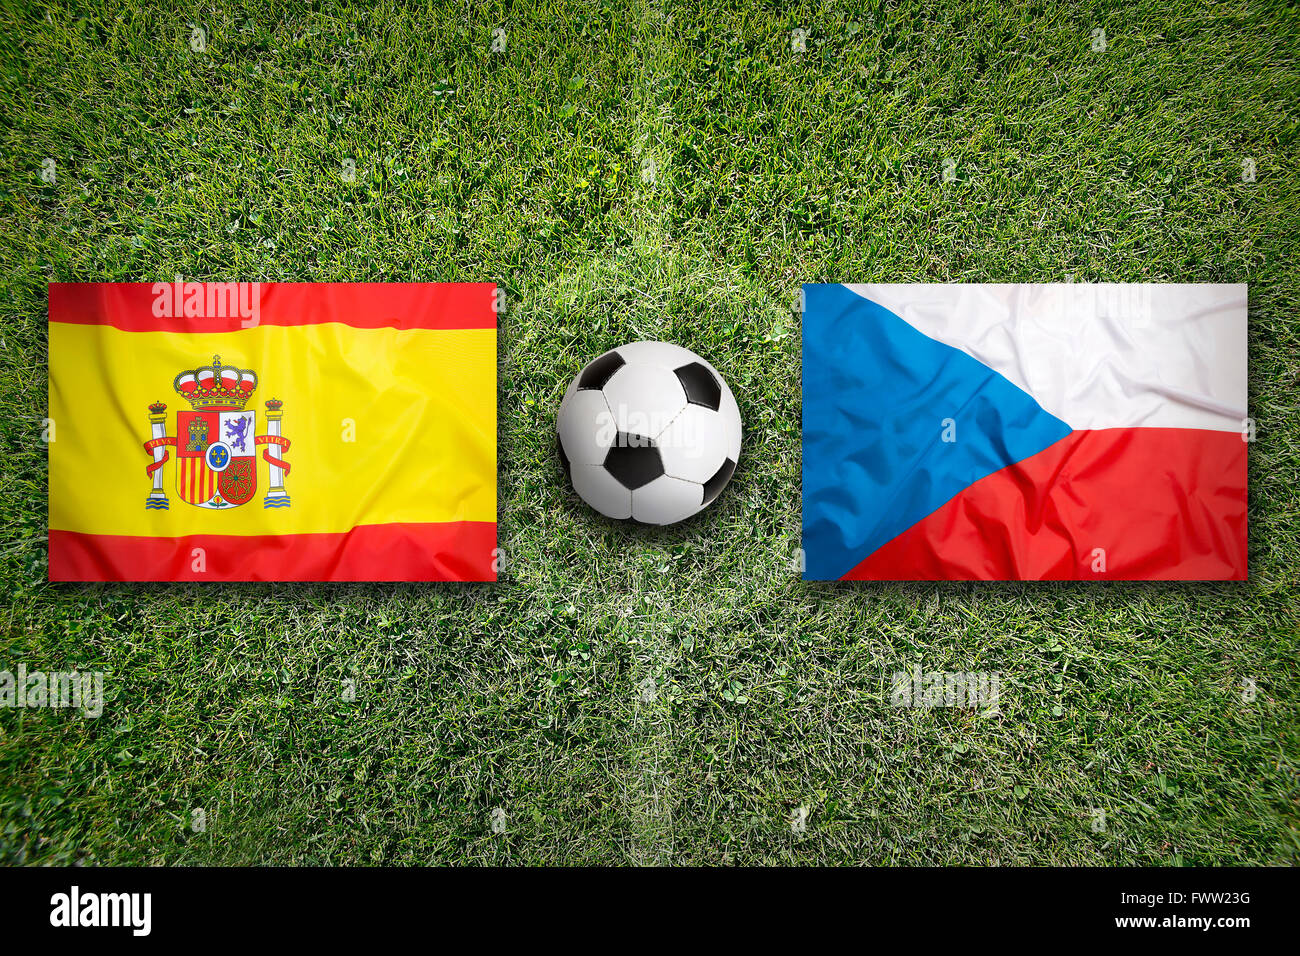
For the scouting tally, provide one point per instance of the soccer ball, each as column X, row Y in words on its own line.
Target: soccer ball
column 650, row 432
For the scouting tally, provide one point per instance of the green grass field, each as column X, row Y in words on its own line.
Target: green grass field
column 646, row 170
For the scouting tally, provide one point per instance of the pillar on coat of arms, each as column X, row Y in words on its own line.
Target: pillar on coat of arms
column 276, row 496
column 157, row 500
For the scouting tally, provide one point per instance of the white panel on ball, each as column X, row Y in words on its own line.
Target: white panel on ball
column 658, row 354
column 644, row 399
column 586, row 427
column 731, row 414
column 666, row 500
column 602, row 491
column 694, row 446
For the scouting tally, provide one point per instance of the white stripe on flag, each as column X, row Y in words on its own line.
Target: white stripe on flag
column 1097, row 356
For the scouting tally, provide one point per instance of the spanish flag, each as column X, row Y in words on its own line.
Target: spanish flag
column 272, row 432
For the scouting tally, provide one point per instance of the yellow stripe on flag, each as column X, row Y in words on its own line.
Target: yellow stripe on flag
column 386, row 426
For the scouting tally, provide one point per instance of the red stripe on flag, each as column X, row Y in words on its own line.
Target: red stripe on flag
column 145, row 307
column 444, row 551
column 1162, row 503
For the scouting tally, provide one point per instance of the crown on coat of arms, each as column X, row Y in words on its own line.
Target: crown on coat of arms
column 216, row 387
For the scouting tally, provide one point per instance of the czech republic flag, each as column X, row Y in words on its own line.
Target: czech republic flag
column 1028, row 432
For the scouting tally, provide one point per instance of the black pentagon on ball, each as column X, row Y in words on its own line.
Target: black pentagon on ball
column 713, row 487
column 595, row 375
column 634, row 461
column 701, row 385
